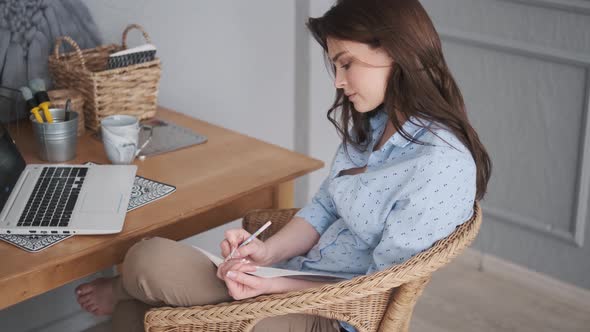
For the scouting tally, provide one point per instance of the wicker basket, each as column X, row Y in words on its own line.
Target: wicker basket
column 59, row 98
column 131, row 90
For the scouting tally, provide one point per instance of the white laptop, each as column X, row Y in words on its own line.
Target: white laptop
column 50, row 199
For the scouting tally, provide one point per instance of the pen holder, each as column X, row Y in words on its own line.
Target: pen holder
column 56, row 142
column 58, row 100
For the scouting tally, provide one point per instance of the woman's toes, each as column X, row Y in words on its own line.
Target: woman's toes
column 84, row 299
column 84, row 289
column 96, row 297
column 86, row 302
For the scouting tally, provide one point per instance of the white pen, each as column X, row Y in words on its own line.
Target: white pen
column 249, row 239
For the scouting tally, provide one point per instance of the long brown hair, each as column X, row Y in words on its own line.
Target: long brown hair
column 419, row 85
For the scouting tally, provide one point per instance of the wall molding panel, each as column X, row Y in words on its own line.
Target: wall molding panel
column 583, row 182
column 515, row 47
column 582, row 191
column 531, row 224
column 571, row 6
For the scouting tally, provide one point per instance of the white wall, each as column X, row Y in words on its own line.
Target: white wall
column 323, row 136
column 227, row 62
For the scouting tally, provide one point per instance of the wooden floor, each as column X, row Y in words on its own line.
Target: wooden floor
column 461, row 298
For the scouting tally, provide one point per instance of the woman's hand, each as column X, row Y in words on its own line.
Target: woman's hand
column 241, row 285
column 238, row 264
column 256, row 251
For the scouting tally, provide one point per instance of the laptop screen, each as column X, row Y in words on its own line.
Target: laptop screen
column 12, row 165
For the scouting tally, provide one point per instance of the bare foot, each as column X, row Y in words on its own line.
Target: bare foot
column 97, row 296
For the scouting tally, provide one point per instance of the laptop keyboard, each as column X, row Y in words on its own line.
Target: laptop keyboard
column 54, row 197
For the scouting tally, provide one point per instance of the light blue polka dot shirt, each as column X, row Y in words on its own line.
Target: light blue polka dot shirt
column 409, row 197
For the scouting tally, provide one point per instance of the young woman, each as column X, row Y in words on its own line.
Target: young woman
column 408, row 171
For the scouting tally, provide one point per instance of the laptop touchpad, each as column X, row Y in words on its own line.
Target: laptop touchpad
column 101, row 202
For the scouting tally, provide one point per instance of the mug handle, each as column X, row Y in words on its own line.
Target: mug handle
column 148, row 140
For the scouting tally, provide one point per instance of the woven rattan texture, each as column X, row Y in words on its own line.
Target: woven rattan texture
column 131, row 90
column 382, row 301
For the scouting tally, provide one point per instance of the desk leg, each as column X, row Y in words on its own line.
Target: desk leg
column 284, row 195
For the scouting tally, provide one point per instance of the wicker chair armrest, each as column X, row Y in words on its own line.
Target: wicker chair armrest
column 307, row 300
column 254, row 309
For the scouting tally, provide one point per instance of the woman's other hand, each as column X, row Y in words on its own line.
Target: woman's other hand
column 241, row 285
column 241, row 264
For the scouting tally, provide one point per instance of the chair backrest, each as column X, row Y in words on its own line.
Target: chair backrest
column 417, row 271
column 256, row 218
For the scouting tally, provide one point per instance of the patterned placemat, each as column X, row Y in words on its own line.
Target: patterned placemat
column 168, row 136
column 144, row 191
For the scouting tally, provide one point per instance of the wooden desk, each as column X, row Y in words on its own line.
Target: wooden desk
column 216, row 182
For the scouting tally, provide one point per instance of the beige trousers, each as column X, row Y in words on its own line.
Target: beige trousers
column 162, row 272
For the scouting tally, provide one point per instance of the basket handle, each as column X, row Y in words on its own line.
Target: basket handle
column 138, row 27
column 72, row 43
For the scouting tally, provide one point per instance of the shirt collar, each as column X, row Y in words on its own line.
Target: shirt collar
column 413, row 126
column 378, row 120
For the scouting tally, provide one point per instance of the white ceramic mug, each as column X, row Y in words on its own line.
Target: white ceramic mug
column 120, row 136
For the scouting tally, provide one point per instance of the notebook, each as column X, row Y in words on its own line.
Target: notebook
column 272, row 272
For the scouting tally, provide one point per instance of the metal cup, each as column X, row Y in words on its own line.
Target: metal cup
column 57, row 141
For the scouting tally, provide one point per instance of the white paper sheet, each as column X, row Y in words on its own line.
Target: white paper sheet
column 271, row 272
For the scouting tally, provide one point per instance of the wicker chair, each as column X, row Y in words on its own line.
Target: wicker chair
column 382, row 301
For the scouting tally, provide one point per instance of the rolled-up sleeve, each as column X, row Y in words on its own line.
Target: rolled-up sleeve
column 320, row 212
